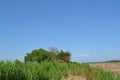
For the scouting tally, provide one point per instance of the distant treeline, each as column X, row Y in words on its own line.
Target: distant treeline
column 110, row 61
column 113, row 61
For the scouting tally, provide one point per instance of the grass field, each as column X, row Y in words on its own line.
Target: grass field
column 52, row 71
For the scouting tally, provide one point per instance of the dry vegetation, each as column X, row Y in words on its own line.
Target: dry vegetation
column 108, row 66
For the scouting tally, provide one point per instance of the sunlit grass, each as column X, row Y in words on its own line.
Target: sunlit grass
column 51, row 71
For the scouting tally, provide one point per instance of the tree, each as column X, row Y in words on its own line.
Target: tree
column 38, row 55
column 53, row 54
column 53, row 51
column 65, row 56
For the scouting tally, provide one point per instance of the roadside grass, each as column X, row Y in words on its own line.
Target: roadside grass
column 51, row 71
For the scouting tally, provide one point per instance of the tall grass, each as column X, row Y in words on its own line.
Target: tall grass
column 23, row 71
column 51, row 71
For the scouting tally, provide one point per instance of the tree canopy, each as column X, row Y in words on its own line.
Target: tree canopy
column 40, row 55
column 64, row 56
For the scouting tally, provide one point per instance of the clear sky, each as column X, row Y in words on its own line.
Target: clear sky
column 89, row 29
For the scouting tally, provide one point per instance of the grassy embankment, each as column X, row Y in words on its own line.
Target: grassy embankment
column 51, row 71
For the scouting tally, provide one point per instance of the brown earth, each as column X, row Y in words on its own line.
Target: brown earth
column 110, row 66
column 71, row 77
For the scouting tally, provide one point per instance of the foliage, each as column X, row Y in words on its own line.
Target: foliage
column 113, row 61
column 37, row 56
column 45, row 65
column 53, row 52
column 51, row 71
column 23, row 71
column 65, row 56
column 41, row 55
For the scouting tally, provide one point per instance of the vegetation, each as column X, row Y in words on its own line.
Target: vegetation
column 53, row 54
column 51, row 71
column 46, row 65
column 37, row 56
column 113, row 61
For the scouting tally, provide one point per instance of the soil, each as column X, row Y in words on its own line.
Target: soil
column 111, row 66
column 71, row 77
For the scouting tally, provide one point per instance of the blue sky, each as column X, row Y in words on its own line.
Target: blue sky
column 89, row 29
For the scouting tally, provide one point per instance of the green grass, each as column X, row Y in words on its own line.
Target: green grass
column 51, row 71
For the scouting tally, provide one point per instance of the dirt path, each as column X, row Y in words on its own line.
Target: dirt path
column 71, row 77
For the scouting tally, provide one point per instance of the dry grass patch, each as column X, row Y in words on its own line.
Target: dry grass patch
column 110, row 66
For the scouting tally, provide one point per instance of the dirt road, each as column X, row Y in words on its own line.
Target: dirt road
column 71, row 77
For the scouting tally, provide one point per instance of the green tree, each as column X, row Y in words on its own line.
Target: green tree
column 53, row 54
column 65, row 56
column 38, row 55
